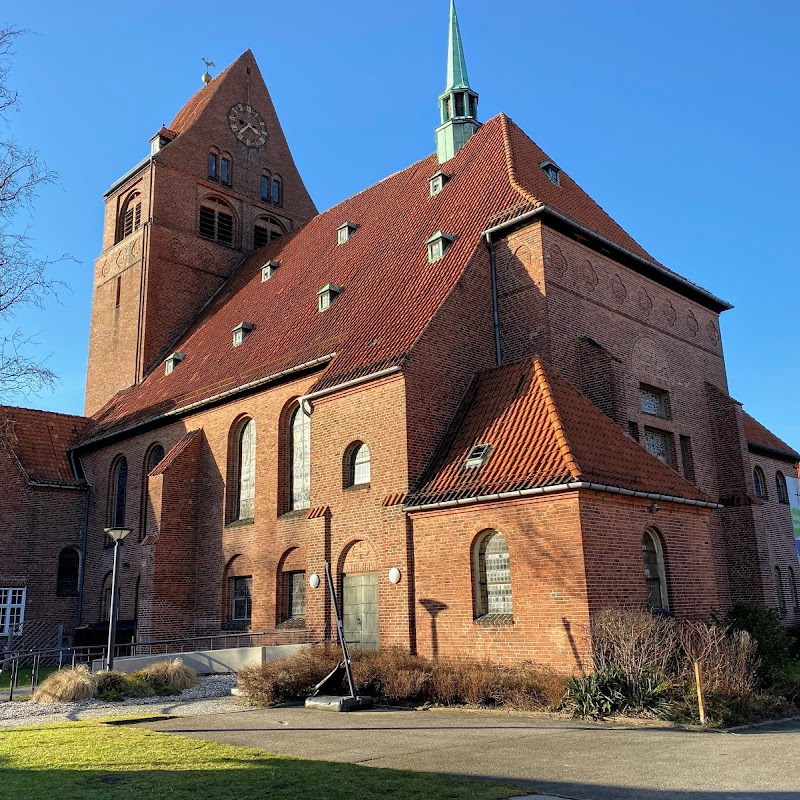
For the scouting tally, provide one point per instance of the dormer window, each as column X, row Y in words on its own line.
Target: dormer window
column 241, row 331
column 268, row 270
column 477, row 456
column 437, row 182
column 438, row 245
column 326, row 295
column 345, row 231
column 552, row 172
column 172, row 361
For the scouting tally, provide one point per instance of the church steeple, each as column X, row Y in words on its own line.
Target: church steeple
column 458, row 105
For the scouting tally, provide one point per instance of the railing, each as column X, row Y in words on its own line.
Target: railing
column 12, row 661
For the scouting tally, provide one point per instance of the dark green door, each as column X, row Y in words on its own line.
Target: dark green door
column 360, row 610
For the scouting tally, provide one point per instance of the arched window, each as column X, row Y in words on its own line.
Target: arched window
column 357, row 465
column 213, row 164
column 216, row 221
column 300, row 460
column 492, row 575
column 793, row 582
column 760, row 483
column 225, row 169
column 654, row 575
column 69, row 569
column 265, row 230
column 780, row 595
column 277, row 191
column 130, row 216
column 238, row 593
column 119, row 491
column 781, row 488
column 245, row 471
column 266, row 187
column 154, row 457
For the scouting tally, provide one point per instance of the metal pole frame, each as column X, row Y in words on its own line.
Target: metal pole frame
column 112, row 615
column 340, row 630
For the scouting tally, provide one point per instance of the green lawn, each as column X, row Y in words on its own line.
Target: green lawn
column 24, row 678
column 93, row 761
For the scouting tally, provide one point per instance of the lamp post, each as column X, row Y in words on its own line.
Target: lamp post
column 117, row 534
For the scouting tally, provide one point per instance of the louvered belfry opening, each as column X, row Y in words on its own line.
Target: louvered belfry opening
column 216, row 222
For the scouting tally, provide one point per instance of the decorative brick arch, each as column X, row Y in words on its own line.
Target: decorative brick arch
column 358, row 556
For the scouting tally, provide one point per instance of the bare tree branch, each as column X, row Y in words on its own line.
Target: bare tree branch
column 24, row 277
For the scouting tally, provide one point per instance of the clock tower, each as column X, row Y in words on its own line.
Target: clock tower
column 218, row 183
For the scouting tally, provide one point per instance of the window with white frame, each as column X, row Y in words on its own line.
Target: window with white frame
column 493, row 574
column 655, row 577
column 12, row 610
column 245, row 466
column 359, row 466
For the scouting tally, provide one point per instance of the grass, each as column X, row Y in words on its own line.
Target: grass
column 25, row 674
column 92, row 761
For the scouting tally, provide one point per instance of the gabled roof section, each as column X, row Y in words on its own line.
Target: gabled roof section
column 542, row 433
column 200, row 99
column 175, row 453
column 40, row 441
column 760, row 438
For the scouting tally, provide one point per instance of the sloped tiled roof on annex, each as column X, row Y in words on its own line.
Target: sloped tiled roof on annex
column 763, row 439
column 542, row 432
column 40, row 441
column 389, row 291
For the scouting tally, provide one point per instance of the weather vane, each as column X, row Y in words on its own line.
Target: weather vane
column 207, row 74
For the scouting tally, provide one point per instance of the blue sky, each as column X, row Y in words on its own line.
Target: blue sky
column 679, row 118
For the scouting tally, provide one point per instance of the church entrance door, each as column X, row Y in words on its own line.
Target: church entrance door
column 360, row 609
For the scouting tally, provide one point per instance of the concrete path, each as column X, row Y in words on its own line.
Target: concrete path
column 553, row 756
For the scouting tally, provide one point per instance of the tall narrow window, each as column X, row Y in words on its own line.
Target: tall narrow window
column 760, row 483
column 793, row 585
column 654, row 575
column 105, row 598
column 242, row 598
column 266, row 188
column 781, row 489
column 780, row 595
column 225, row 171
column 118, row 291
column 130, row 217
column 69, row 566
column 216, row 221
column 686, row 458
column 295, row 594
column 119, row 490
column 300, row 467
column 246, row 472
column 213, row 166
column 277, row 192
column 493, row 575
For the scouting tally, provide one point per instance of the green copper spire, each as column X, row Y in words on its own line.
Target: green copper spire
column 458, row 105
column 456, row 65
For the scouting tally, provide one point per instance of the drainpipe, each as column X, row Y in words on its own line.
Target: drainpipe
column 495, row 315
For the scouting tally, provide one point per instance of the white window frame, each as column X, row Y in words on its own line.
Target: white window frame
column 12, row 599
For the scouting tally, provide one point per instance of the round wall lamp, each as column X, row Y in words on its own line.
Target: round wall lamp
column 313, row 581
column 394, row 575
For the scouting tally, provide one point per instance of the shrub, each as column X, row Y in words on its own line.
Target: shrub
column 609, row 691
column 111, row 686
column 66, row 686
column 164, row 676
column 763, row 624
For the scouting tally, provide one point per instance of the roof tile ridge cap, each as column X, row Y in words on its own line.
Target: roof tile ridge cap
column 555, row 420
column 511, row 166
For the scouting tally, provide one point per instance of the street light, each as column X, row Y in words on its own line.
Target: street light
column 117, row 534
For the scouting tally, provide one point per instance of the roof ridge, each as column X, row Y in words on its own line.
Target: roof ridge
column 510, row 164
column 41, row 411
column 555, row 418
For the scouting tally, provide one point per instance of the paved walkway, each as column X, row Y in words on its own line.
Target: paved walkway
column 553, row 756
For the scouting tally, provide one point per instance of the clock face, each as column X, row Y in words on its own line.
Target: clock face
column 247, row 125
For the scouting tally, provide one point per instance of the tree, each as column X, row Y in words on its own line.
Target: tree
column 24, row 277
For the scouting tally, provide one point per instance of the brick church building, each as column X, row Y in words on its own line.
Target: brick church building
column 466, row 387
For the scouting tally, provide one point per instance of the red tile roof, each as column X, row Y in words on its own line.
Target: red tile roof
column 39, row 440
column 542, row 432
column 174, row 453
column 389, row 291
column 758, row 436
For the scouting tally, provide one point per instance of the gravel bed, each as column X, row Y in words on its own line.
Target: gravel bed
column 211, row 696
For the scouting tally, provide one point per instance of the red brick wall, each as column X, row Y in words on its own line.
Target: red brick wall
column 35, row 525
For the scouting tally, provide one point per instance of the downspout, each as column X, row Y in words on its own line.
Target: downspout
column 84, row 534
column 495, row 314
